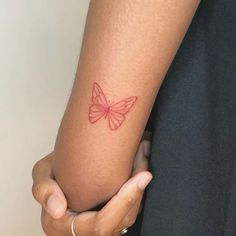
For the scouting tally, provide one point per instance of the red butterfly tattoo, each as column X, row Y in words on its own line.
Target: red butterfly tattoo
column 115, row 113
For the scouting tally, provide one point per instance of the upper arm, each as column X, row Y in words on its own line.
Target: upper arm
column 127, row 49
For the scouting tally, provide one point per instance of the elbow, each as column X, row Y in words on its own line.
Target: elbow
column 94, row 195
column 85, row 193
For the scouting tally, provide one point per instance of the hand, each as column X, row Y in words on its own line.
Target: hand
column 120, row 212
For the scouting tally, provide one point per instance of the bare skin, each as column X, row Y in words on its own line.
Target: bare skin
column 114, row 112
column 119, row 213
column 127, row 49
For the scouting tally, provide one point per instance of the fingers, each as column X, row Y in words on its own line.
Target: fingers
column 42, row 168
column 118, row 207
column 141, row 158
column 57, row 227
column 140, row 165
column 120, row 212
column 146, row 144
column 46, row 191
column 104, row 222
column 131, row 216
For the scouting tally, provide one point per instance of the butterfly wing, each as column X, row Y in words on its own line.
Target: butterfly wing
column 118, row 111
column 98, row 97
column 98, row 109
column 96, row 112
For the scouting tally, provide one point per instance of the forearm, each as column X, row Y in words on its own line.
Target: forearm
column 127, row 49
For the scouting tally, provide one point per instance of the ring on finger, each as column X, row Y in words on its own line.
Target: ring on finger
column 124, row 231
column 72, row 227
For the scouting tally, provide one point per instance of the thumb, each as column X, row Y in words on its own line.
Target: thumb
column 141, row 158
column 51, row 197
column 138, row 182
column 45, row 190
column 126, row 198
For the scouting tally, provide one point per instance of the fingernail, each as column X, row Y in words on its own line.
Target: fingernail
column 144, row 181
column 54, row 205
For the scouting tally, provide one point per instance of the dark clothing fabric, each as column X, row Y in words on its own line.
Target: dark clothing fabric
column 193, row 158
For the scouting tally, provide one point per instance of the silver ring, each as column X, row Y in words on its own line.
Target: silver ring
column 124, row 231
column 73, row 227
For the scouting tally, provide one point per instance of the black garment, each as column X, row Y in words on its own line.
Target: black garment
column 193, row 192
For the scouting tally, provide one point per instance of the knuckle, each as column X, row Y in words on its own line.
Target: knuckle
column 36, row 166
column 129, row 221
column 130, row 200
column 132, row 222
column 38, row 190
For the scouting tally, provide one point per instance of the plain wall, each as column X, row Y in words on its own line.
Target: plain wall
column 39, row 49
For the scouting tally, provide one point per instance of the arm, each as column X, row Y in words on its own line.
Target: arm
column 56, row 218
column 127, row 49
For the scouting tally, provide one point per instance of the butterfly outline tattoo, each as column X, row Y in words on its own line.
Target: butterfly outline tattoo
column 113, row 112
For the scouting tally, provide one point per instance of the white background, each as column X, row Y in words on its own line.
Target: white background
column 39, row 48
